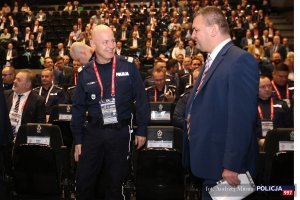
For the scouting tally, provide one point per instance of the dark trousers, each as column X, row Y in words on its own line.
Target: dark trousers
column 103, row 150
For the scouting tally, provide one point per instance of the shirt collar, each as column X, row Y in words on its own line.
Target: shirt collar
column 218, row 48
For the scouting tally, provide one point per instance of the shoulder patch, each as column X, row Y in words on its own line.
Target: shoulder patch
column 130, row 59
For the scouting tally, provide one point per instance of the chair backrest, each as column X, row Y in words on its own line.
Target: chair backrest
column 164, row 137
column 280, row 139
column 36, row 133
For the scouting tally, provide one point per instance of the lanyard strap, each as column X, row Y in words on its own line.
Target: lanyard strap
column 155, row 93
column 277, row 91
column 271, row 110
column 113, row 75
column 47, row 98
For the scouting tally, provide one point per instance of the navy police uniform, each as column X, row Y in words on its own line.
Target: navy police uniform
column 155, row 95
column 281, row 116
column 106, row 147
column 54, row 95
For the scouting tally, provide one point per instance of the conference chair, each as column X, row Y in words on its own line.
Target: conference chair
column 38, row 162
column 159, row 171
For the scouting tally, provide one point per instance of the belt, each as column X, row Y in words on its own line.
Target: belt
column 99, row 122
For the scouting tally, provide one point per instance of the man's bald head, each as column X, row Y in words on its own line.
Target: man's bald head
column 81, row 52
column 103, row 41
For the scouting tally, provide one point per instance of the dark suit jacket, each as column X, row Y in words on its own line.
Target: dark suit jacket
column 223, row 116
column 34, row 109
column 5, row 128
column 52, row 52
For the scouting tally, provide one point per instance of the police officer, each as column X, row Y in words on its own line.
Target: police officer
column 106, row 88
column 272, row 113
column 53, row 94
column 160, row 91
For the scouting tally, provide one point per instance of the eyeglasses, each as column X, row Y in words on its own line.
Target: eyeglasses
column 264, row 87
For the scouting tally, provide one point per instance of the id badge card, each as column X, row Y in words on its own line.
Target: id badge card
column 266, row 125
column 288, row 102
column 14, row 118
column 109, row 111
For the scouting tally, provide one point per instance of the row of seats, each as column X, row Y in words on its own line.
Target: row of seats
column 157, row 169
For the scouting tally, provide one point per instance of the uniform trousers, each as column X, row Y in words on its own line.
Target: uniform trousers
column 104, row 149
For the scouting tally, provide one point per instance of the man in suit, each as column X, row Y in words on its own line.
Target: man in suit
column 6, row 138
column 219, row 139
column 11, row 54
column 24, row 106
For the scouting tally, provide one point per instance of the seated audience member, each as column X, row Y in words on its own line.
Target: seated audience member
column 62, row 74
column 179, row 50
column 48, row 64
column 160, row 91
column 48, row 51
column 81, row 52
column 256, row 48
column 52, row 94
column 282, row 87
column 147, row 54
column 24, row 105
column 186, row 80
column 191, row 49
column 11, row 54
column 272, row 113
column 179, row 111
column 68, row 7
column 41, row 16
column 159, row 63
column 77, row 67
column 289, row 61
column 8, row 77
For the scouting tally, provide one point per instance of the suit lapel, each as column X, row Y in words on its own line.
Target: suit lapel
column 27, row 106
column 217, row 61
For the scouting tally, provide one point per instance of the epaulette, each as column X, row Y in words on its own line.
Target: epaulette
column 56, row 86
column 148, row 88
column 36, row 88
column 125, row 58
column 172, row 86
column 71, row 87
column 188, row 86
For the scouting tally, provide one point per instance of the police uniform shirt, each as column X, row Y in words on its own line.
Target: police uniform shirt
column 281, row 117
column 56, row 96
column 129, row 88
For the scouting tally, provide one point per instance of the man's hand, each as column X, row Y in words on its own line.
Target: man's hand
column 139, row 141
column 231, row 177
column 77, row 152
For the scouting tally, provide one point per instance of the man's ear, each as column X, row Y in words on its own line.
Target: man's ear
column 92, row 44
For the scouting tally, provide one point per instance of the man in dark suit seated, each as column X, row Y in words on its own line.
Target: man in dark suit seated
column 48, row 51
column 62, row 74
column 8, row 76
column 134, row 44
column 11, row 54
column 147, row 54
column 24, row 105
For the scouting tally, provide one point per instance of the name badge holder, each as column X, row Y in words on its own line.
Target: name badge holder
column 266, row 125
